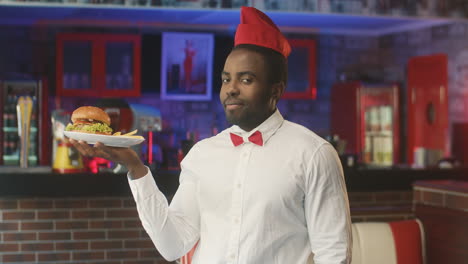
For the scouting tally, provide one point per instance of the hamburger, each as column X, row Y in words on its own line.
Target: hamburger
column 90, row 119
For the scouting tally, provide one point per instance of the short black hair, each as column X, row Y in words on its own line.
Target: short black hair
column 276, row 63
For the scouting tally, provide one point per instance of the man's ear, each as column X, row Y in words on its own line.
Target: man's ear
column 278, row 90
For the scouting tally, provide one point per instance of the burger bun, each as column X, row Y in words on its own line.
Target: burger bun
column 90, row 112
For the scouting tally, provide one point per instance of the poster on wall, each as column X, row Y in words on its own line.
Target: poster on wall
column 186, row 66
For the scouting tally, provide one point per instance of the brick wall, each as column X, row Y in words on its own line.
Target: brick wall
column 29, row 51
column 381, row 206
column 74, row 230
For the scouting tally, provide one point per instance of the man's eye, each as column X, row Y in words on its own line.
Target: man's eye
column 246, row 81
column 224, row 80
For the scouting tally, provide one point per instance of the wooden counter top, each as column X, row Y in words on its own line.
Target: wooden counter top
column 444, row 185
column 45, row 183
column 41, row 182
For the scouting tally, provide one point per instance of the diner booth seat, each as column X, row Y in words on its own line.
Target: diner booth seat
column 396, row 242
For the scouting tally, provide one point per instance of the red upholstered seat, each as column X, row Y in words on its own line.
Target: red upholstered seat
column 396, row 242
column 408, row 237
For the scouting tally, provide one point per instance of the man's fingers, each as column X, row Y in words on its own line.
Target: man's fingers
column 81, row 146
column 98, row 150
column 85, row 149
column 104, row 151
column 102, row 148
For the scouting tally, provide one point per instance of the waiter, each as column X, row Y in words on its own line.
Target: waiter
column 265, row 190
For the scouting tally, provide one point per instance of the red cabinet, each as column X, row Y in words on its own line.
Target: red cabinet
column 367, row 117
column 427, row 109
column 98, row 65
column 460, row 142
column 302, row 70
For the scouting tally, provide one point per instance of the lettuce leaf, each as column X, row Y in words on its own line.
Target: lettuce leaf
column 96, row 127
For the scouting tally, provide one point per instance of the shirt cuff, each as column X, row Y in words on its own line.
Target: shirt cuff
column 143, row 187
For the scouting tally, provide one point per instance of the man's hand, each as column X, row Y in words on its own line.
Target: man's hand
column 125, row 156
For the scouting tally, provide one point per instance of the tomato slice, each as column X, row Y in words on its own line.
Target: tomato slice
column 84, row 121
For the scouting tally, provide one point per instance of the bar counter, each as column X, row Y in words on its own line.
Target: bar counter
column 41, row 182
column 442, row 207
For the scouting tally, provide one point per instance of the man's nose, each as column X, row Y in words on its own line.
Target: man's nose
column 232, row 89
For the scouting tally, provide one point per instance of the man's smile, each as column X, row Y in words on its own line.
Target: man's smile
column 233, row 104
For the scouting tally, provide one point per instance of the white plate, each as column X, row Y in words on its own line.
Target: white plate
column 111, row 141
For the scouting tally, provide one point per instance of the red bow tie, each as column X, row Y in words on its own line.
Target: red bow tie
column 255, row 138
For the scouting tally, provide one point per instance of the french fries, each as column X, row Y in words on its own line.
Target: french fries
column 129, row 134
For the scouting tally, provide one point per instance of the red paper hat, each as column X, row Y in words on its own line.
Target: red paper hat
column 257, row 28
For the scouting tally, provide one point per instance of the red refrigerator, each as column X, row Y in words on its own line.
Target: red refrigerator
column 366, row 116
column 39, row 133
column 428, row 118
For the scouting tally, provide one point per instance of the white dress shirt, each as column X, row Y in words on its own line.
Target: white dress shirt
column 251, row 204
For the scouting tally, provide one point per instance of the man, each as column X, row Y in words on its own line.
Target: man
column 262, row 191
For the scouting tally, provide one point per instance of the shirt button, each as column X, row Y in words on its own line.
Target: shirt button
column 236, row 220
column 239, row 186
column 245, row 154
column 232, row 257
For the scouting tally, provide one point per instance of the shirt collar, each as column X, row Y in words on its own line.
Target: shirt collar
column 267, row 128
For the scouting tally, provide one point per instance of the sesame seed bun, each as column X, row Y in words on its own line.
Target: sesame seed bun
column 91, row 112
